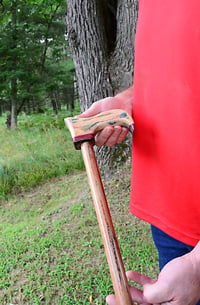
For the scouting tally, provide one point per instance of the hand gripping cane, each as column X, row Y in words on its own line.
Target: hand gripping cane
column 83, row 131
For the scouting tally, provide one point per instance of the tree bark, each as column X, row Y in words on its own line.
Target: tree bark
column 101, row 38
column 87, row 43
column 13, row 104
column 122, row 60
column 54, row 104
column 69, row 96
column 14, row 80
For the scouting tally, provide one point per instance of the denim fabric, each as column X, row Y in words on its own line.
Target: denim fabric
column 168, row 247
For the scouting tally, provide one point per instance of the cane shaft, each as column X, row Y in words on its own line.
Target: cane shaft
column 112, row 251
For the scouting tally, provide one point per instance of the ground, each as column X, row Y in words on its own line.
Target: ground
column 51, row 248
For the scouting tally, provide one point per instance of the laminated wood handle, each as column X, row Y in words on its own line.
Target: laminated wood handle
column 84, row 129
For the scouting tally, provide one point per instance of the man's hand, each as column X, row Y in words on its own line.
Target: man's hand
column 111, row 135
column 136, row 294
column 178, row 283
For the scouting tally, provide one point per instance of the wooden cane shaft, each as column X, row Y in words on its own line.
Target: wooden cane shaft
column 113, row 255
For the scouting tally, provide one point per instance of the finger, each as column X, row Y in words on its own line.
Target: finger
column 139, row 278
column 93, row 110
column 123, row 134
column 104, row 104
column 110, row 136
column 136, row 296
column 157, row 293
column 103, row 136
column 111, row 299
column 113, row 139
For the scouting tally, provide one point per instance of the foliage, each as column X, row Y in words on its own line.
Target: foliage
column 33, row 52
column 39, row 149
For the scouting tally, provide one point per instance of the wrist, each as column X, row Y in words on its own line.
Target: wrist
column 194, row 258
column 195, row 253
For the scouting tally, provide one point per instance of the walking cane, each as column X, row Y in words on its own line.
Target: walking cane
column 83, row 131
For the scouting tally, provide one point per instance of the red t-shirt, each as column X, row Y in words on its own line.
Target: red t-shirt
column 166, row 107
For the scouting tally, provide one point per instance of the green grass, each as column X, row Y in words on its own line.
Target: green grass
column 51, row 251
column 39, row 149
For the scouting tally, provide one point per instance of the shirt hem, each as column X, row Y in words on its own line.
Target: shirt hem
column 164, row 227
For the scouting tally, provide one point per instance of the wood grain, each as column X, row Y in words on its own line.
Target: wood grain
column 84, row 129
column 111, row 246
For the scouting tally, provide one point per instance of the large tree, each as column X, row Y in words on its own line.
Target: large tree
column 33, row 53
column 101, row 37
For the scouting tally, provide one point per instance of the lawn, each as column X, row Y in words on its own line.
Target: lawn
column 51, row 250
column 41, row 148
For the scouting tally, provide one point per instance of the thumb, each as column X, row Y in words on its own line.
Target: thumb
column 156, row 292
column 93, row 110
column 105, row 104
column 98, row 107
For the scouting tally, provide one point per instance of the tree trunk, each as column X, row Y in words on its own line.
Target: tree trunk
column 68, row 93
column 14, row 80
column 28, row 107
column 13, row 104
column 54, row 104
column 88, row 46
column 122, row 60
column 101, row 38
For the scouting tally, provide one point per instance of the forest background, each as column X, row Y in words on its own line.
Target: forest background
column 37, row 71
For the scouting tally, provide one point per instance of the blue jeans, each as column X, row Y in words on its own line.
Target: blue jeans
column 168, row 247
